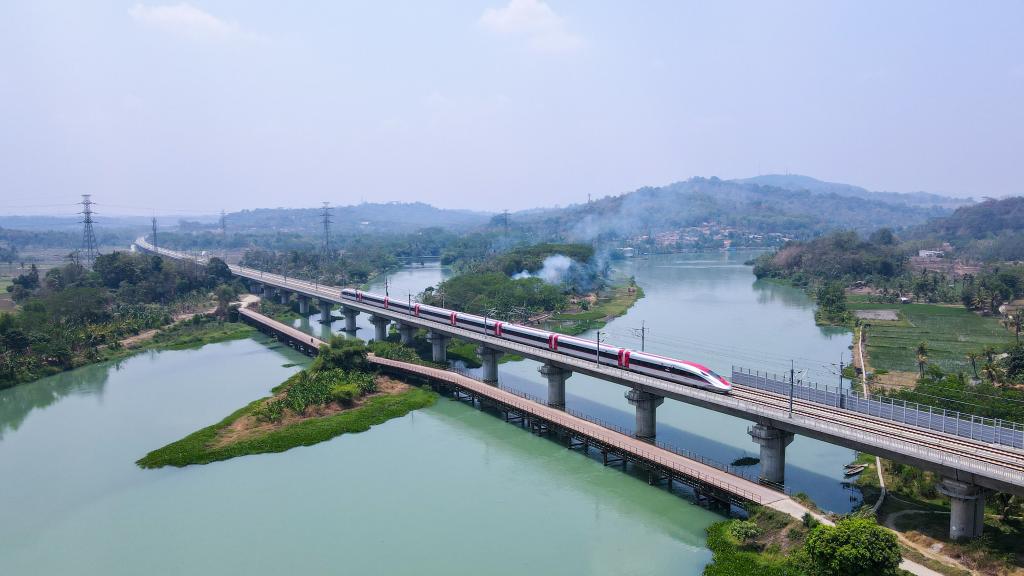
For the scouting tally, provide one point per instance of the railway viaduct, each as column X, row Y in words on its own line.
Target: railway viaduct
column 970, row 466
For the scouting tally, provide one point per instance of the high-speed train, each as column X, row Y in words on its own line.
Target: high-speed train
column 688, row 373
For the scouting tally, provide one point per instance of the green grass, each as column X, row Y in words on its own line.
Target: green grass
column 195, row 448
column 950, row 331
column 188, row 335
column 731, row 559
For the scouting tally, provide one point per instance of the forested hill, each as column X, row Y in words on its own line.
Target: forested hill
column 385, row 217
column 743, row 205
column 989, row 230
column 813, row 185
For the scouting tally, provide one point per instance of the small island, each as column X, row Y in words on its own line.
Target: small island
column 339, row 393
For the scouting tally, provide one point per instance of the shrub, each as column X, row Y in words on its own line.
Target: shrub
column 366, row 382
column 853, row 546
column 809, row 520
column 345, row 394
column 344, row 353
column 269, row 411
column 308, row 389
column 744, row 530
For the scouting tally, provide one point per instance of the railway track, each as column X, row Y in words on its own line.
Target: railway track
column 993, row 454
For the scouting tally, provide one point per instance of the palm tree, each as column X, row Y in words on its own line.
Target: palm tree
column 990, row 353
column 973, row 358
column 991, row 372
column 922, row 356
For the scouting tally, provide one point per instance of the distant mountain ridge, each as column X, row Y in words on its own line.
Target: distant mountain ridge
column 752, row 206
column 370, row 217
column 800, row 182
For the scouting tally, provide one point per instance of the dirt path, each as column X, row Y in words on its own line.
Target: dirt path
column 890, row 520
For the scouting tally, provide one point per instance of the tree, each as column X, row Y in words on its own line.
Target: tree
column 218, row 270
column 347, row 354
column 973, row 358
column 853, row 547
column 224, row 294
column 922, row 356
column 832, row 300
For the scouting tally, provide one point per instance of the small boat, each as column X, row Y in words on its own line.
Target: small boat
column 854, row 470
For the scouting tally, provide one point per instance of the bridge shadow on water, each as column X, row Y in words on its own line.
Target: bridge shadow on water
column 827, row 492
column 567, row 472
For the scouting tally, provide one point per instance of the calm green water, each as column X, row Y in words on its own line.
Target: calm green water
column 445, row 490
column 708, row 308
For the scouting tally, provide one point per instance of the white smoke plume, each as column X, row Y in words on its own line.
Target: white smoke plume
column 554, row 270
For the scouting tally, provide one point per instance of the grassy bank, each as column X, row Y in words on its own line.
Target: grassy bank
column 177, row 337
column 194, row 335
column 611, row 303
column 197, row 448
column 771, row 543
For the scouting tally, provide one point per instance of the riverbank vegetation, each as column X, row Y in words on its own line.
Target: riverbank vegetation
column 915, row 509
column 70, row 315
column 771, row 543
column 339, row 393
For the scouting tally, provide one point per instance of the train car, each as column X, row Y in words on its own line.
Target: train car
column 679, row 371
column 586, row 349
column 688, row 373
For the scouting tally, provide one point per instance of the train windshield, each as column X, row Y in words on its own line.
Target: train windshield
column 717, row 375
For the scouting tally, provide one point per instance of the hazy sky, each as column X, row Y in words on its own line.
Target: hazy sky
column 497, row 104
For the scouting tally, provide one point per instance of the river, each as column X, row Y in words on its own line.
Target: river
column 444, row 490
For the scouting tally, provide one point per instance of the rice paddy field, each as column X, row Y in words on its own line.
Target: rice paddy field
column 950, row 331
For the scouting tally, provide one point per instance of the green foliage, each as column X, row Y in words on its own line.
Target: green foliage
column 395, row 351
column 989, row 230
column 809, row 520
column 731, row 560
column 853, row 547
column 348, row 354
column 744, row 530
column 832, row 303
column 311, row 388
column 955, row 393
column 196, row 448
column 345, row 394
column 951, row 333
column 839, row 257
column 496, row 295
column 71, row 315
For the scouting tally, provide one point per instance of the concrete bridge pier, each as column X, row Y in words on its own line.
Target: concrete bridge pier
column 490, row 358
column 439, row 343
column 966, row 508
column 325, row 312
column 380, row 328
column 350, row 318
column 407, row 334
column 256, row 288
column 556, row 384
column 285, row 295
column 303, row 304
column 646, row 412
column 773, row 442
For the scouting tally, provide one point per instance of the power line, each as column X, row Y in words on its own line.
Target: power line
column 155, row 245
column 88, row 235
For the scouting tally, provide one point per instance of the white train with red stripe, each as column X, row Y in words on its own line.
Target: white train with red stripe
column 680, row 371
